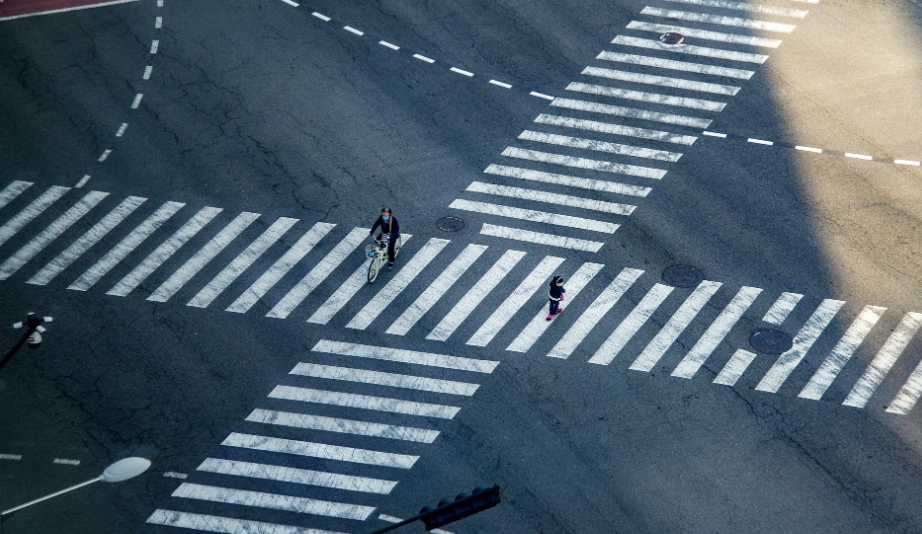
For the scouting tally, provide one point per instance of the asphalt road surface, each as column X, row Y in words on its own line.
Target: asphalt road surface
column 186, row 188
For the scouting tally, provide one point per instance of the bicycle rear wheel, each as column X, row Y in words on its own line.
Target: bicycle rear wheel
column 373, row 269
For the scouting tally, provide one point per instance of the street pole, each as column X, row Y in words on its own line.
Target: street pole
column 33, row 335
column 451, row 510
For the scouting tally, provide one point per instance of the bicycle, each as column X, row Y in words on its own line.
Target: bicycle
column 378, row 254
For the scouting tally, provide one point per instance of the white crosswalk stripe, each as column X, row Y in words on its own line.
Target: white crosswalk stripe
column 12, row 191
column 909, row 394
column 292, row 475
column 716, row 333
column 320, row 450
column 319, row 273
column 734, row 38
column 782, row 308
column 539, row 324
column 126, row 246
column 397, row 284
column 272, row 500
column 594, row 313
column 428, row 359
column 693, row 50
column 662, row 81
column 347, row 374
column 86, row 241
column 162, row 253
column 201, row 258
column 673, row 328
column 671, row 64
column 744, row 6
column 568, row 181
column 886, row 357
column 550, row 240
column 280, row 268
column 615, row 129
column 718, row 19
column 364, row 402
column 428, row 298
column 551, row 198
column 30, row 212
column 841, row 353
column 225, row 525
column 805, row 338
column 633, row 113
column 534, row 216
column 631, row 324
column 600, row 146
column 735, row 367
column 475, row 294
column 519, row 296
column 584, row 163
column 241, row 263
column 343, row 426
column 652, row 98
column 49, row 234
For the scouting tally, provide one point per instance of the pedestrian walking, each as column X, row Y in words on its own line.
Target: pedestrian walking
column 556, row 294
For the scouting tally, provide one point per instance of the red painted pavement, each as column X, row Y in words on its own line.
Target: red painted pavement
column 20, row 8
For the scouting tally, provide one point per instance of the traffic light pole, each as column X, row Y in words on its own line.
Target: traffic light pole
column 449, row 511
column 33, row 335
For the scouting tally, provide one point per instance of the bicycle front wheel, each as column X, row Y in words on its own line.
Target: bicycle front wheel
column 373, row 268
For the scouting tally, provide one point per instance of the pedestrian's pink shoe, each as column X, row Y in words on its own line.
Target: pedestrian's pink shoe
column 549, row 317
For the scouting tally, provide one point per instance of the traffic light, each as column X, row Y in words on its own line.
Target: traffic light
column 464, row 505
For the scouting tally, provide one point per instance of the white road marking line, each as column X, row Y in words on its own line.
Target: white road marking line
column 159, row 3
column 670, row 332
column 631, row 324
column 12, row 191
column 289, row 2
column 634, row 113
column 121, row 129
column 782, row 308
column 362, row 376
column 540, row 238
column 907, row 162
column 163, row 252
column 318, row 274
column 717, row 19
column 670, row 64
column 174, row 474
column 137, row 101
column 154, row 45
column 752, row 8
column 320, row 450
column 125, row 246
column 105, row 155
column 273, row 501
column 534, row 216
column 83, row 181
column 364, row 402
column 706, row 35
column 760, row 141
column 224, row 525
column 64, row 10
column 522, row 294
column 350, row 29
column 716, row 333
column 158, row 22
column 147, row 72
column 539, row 324
column 662, row 81
column 397, row 284
column 693, row 50
column 616, row 129
column 202, row 257
column 30, row 212
column 87, row 240
column 653, row 98
column 865, row 387
column 389, row 45
column 459, row 71
column 735, row 367
column 428, row 298
column 430, row 359
column 584, row 163
column 809, row 149
column 280, row 268
column 551, row 198
column 600, row 146
column 501, row 84
column 242, row 262
column 65, row 461
column 463, row 308
column 841, row 353
column 805, row 338
column 541, row 95
column 321, row 16
column 392, row 519
column 909, row 394
column 714, row 134
column 293, row 475
column 342, row 426
column 594, row 313
column 858, row 156
column 10, row 457
column 568, row 181
column 424, row 58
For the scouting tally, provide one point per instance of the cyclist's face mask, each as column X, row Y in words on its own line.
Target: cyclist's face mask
column 385, row 218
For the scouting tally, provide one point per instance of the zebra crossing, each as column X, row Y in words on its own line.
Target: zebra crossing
column 643, row 97
column 292, row 467
column 480, row 296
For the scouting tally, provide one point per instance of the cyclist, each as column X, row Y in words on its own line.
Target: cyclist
column 391, row 228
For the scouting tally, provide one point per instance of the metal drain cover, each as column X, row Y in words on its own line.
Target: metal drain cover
column 450, row 224
column 769, row 341
column 682, row 276
column 671, row 38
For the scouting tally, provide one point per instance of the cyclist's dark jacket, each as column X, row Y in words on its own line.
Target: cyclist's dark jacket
column 391, row 225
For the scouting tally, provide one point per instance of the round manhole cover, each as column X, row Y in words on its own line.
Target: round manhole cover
column 682, row 276
column 450, row 224
column 671, row 38
column 771, row 341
